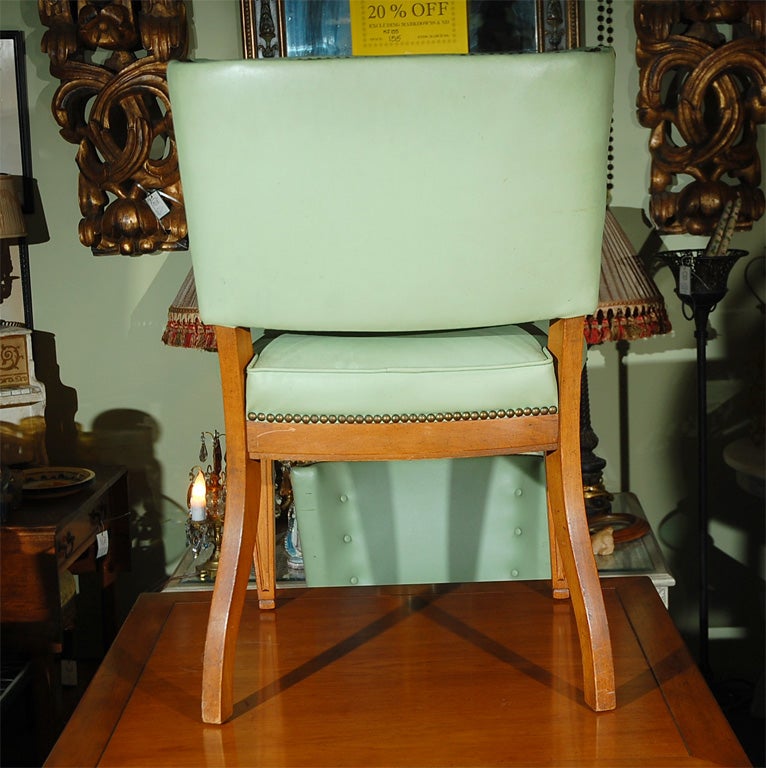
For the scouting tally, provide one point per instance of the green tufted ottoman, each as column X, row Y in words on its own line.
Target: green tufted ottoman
column 433, row 521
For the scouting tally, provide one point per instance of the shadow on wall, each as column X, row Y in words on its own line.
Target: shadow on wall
column 736, row 520
column 735, row 409
column 123, row 437
column 60, row 403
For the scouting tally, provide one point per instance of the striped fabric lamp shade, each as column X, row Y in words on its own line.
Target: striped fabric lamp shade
column 184, row 327
column 630, row 306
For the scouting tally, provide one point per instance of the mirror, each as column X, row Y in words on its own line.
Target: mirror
column 294, row 28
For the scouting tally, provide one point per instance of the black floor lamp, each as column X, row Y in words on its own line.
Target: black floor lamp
column 701, row 278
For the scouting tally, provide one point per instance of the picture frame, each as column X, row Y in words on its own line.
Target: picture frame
column 294, row 28
column 15, row 160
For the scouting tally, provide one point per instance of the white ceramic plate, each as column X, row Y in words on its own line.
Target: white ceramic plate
column 55, row 481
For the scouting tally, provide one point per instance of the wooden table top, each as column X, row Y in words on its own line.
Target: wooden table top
column 475, row 674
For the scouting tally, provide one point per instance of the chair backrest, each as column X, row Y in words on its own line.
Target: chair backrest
column 394, row 193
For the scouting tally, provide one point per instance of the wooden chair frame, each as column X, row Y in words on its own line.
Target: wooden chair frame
column 252, row 448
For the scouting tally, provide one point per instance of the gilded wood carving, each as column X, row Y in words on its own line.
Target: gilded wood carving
column 702, row 94
column 111, row 58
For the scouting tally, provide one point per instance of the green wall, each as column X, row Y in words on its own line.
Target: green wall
column 136, row 400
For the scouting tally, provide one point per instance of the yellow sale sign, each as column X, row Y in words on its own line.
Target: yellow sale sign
column 407, row 27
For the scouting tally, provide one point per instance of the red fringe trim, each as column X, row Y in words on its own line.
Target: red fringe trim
column 190, row 334
column 627, row 325
column 604, row 326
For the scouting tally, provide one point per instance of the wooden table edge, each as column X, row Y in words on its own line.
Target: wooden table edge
column 677, row 676
column 83, row 741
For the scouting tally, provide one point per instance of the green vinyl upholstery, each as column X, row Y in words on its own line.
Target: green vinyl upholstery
column 408, row 220
column 422, row 522
column 449, row 374
column 412, row 212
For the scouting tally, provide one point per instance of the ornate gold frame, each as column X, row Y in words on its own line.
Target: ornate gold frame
column 113, row 105
column 702, row 73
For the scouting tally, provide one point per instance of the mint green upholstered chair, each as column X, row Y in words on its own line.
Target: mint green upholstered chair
column 394, row 222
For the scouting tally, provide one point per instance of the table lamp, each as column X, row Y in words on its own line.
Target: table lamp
column 184, row 326
column 630, row 307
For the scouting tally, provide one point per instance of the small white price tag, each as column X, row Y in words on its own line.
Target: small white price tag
column 102, row 543
column 685, row 280
column 157, row 204
column 68, row 672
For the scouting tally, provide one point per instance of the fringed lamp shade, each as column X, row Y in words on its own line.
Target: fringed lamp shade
column 630, row 306
column 184, row 327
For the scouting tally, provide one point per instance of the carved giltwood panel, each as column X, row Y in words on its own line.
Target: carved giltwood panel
column 702, row 94
column 111, row 58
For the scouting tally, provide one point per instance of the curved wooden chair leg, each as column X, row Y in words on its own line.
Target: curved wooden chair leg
column 243, row 489
column 264, row 554
column 567, row 507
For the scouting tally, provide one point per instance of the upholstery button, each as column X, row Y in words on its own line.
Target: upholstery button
column 354, row 580
column 343, row 498
column 514, row 572
column 518, row 531
column 347, row 539
column 519, row 492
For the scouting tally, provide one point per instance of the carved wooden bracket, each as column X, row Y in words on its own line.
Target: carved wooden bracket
column 702, row 93
column 118, row 114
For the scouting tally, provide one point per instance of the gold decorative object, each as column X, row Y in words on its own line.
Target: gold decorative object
column 14, row 360
column 22, row 399
column 259, row 31
column 313, row 418
column 118, row 114
column 702, row 93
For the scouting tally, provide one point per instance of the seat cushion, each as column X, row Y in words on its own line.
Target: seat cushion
column 401, row 377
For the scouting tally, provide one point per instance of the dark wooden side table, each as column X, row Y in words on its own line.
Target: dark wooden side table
column 41, row 543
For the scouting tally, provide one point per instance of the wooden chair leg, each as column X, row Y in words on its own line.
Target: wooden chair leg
column 242, row 492
column 264, row 554
column 567, row 509
column 559, row 585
